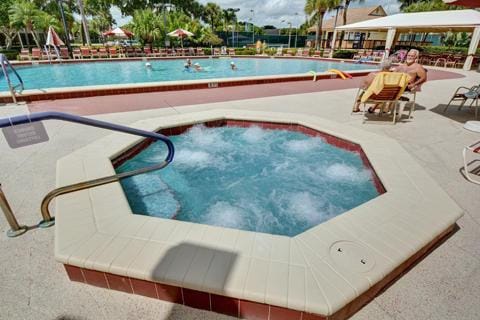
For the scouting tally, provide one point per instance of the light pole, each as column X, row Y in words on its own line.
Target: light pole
column 166, row 7
column 289, row 31
column 233, row 11
column 253, row 26
column 296, row 30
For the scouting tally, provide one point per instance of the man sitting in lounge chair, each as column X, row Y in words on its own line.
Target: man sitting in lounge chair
column 417, row 73
column 385, row 66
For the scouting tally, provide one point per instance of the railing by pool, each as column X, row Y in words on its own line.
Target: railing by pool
column 48, row 220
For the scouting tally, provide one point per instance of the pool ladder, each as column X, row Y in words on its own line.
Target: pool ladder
column 48, row 220
column 13, row 88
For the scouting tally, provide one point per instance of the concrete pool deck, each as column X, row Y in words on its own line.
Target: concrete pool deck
column 441, row 286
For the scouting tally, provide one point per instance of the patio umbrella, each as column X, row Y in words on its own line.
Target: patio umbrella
column 180, row 33
column 53, row 39
column 464, row 3
column 118, row 33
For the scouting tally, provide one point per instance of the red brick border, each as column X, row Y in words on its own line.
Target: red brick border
column 239, row 308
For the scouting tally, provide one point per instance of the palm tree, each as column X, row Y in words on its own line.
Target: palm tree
column 146, row 25
column 317, row 9
column 23, row 14
column 212, row 14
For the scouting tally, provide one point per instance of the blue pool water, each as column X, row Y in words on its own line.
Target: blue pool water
column 270, row 181
column 122, row 72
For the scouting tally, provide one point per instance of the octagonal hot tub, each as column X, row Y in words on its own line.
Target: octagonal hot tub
column 256, row 176
column 327, row 270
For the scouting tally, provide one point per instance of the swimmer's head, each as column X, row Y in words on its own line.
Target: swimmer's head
column 197, row 64
column 148, row 65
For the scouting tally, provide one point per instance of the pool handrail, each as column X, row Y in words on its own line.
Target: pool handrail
column 48, row 220
column 4, row 64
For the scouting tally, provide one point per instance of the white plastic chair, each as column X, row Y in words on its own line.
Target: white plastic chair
column 473, row 149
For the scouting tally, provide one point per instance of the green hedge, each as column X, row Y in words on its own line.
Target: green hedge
column 10, row 54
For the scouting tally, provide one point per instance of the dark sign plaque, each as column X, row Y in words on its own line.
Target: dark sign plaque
column 25, row 134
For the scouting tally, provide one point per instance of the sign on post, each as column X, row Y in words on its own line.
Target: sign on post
column 25, row 134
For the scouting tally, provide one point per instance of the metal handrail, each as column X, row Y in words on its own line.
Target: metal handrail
column 48, row 220
column 5, row 63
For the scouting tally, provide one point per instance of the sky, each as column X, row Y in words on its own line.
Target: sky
column 272, row 12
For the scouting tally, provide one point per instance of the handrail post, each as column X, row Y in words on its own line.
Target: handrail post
column 15, row 228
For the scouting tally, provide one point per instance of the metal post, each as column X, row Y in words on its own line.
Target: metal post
column 15, row 228
column 289, row 33
column 65, row 29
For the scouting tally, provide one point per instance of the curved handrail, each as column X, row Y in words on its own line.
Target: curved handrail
column 5, row 63
column 23, row 119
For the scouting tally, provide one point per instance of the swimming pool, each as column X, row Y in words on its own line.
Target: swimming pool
column 271, row 181
column 45, row 76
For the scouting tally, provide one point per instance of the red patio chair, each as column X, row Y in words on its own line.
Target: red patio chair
column 113, row 53
column 231, row 51
column 77, row 54
column 148, row 52
column 139, row 52
column 37, row 54
column 64, row 54
column 200, row 52
column 102, row 53
column 24, row 55
column 85, row 53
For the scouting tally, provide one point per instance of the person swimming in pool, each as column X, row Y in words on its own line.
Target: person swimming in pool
column 148, row 66
column 197, row 67
column 189, row 62
column 233, row 66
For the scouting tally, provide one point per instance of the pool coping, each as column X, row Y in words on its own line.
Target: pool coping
column 306, row 273
column 131, row 88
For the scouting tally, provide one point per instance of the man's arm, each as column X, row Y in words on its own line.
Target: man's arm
column 421, row 76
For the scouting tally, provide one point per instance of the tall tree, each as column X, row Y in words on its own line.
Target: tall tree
column 146, row 25
column 317, row 9
column 429, row 5
column 22, row 14
column 8, row 31
column 212, row 14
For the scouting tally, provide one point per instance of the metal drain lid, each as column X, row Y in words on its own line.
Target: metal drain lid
column 352, row 257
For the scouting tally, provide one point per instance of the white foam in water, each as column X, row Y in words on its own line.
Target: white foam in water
column 303, row 145
column 306, row 207
column 226, row 215
column 254, row 134
column 345, row 173
column 202, row 136
column 193, row 159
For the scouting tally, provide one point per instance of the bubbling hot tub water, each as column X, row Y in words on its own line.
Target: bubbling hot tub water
column 272, row 181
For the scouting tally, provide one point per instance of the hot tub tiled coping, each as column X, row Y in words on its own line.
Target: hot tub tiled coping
column 96, row 230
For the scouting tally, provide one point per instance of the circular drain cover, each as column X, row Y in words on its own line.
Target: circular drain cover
column 351, row 256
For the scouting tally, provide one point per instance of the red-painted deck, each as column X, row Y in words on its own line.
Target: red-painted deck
column 153, row 100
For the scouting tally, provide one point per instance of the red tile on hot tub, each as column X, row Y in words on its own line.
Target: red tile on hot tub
column 144, row 288
column 225, row 305
column 95, row 278
column 278, row 313
column 196, row 299
column 169, row 293
column 119, row 283
column 74, row 273
column 311, row 316
column 253, row 310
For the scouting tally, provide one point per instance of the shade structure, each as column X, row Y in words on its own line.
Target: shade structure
column 433, row 21
column 464, row 3
column 53, row 39
column 118, row 32
column 180, row 33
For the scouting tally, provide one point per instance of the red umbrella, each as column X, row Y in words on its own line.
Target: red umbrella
column 464, row 3
column 53, row 39
column 119, row 33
